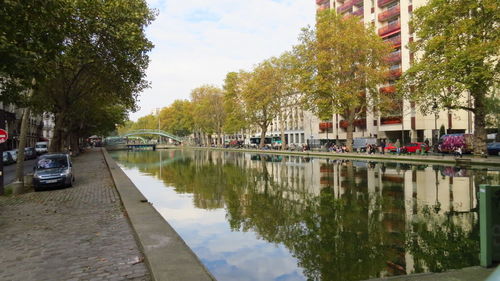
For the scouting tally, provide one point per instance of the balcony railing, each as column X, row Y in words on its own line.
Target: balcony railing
column 359, row 12
column 394, row 41
column 345, row 7
column 357, row 3
column 395, row 73
column 389, row 14
column 319, row 2
column 383, row 3
column 389, row 28
column 394, row 57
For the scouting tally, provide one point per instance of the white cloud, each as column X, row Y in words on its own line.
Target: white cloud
column 198, row 41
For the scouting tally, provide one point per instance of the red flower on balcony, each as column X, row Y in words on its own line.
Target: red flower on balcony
column 388, row 90
column 391, row 120
column 319, row 2
column 357, row 3
column 358, row 123
column 358, row 12
column 325, row 125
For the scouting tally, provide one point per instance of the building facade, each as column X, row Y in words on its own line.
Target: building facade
column 10, row 120
column 391, row 21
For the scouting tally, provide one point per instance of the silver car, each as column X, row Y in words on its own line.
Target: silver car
column 53, row 170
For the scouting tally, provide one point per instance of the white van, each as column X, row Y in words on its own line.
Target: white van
column 42, row 147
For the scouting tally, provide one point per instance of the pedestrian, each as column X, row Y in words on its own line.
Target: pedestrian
column 382, row 145
column 398, row 146
column 458, row 152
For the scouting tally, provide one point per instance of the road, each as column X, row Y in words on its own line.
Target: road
column 10, row 171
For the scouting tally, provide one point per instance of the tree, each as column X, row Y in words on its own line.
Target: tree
column 233, row 105
column 178, row 118
column 287, row 95
column 457, row 57
column 209, row 115
column 259, row 91
column 341, row 65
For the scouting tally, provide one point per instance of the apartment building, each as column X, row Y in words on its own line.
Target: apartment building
column 391, row 21
column 10, row 120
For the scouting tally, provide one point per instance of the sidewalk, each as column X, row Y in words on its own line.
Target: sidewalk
column 389, row 157
column 77, row 233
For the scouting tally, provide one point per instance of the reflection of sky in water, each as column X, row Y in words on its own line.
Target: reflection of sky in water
column 229, row 255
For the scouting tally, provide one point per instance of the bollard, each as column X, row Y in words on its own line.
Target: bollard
column 17, row 187
column 489, row 224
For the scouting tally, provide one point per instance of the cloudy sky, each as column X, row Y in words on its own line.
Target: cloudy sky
column 198, row 41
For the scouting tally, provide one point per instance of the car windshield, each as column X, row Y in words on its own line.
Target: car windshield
column 51, row 163
column 41, row 146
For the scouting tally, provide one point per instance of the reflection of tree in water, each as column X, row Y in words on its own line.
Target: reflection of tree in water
column 441, row 242
column 350, row 235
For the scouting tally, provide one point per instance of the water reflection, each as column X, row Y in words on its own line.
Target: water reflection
column 335, row 219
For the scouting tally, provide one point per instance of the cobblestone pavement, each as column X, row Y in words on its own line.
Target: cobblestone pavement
column 77, row 233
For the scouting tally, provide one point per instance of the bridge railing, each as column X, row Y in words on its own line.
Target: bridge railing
column 153, row 132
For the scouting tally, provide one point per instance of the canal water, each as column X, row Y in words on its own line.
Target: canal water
column 273, row 217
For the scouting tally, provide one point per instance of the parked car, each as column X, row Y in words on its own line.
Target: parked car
column 42, row 147
column 7, row 158
column 390, row 147
column 13, row 153
column 53, row 170
column 494, row 148
column 415, row 147
column 29, row 153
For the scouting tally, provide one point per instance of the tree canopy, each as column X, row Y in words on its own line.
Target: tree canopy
column 341, row 64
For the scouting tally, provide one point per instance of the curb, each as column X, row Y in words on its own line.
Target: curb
column 376, row 157
column 166, row 254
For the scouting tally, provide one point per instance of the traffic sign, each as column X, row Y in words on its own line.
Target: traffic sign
column 4, row 136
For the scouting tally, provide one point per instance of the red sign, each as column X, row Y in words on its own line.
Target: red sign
column 4, row 136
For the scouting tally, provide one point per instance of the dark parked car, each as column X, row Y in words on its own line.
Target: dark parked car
column 53, row 170
column 7, row 158
column 29, row 153
column 494, row 148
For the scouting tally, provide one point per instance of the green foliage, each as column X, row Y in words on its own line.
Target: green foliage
column 233, row 105
column 208, row 109
column 178, row 118
column 341, row 64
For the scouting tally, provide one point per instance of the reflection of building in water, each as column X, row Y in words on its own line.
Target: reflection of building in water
column 401, row 197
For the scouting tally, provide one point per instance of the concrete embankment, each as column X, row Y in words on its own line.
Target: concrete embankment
column 167, row 255
column 389, row 157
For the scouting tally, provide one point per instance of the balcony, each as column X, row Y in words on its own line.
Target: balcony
column 391, row 120
column 394, row 41
column 394, row 57
column 395, row 73
column 323, row 126
column 357, row 3
column 386, row 30
column 389, row 14
column 388, row 90
column 345, row 7
column 359, row 12
column 361, row 123
column 383, row 3
column 319, row 2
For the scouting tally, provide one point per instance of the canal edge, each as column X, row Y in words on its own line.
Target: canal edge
column 166, row 254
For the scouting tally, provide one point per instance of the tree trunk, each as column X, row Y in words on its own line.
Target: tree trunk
column 74, row 144
column 57, row 140
column 350, row 132
column 22, row 145
column 479, row 131
column 284, row 144
column 263, row 136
